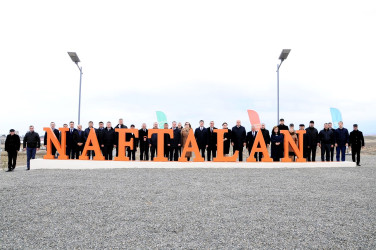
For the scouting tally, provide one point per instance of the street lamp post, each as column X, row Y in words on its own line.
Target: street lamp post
column 282, row 57
column 76, row 60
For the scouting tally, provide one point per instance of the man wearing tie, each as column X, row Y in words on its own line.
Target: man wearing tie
column 90, row 153
column 166, row 141
column 212, row 142
column 108, row 141
column 250, row 140
column 99, row 132
column 79, row 140
column 238, row 135
column 201, row 135
column 144, row 143
column 175, row 143
column 71, row 146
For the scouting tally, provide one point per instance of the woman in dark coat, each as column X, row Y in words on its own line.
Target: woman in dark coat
column 226, row 139
column 277, row 144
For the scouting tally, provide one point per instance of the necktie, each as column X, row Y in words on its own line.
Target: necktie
column 201, row 128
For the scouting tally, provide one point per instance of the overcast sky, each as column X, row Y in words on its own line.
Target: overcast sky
column 193, row 60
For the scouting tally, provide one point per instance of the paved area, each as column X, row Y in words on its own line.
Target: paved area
column 189, row 208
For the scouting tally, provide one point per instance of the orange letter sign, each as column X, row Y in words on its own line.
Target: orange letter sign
column 51, row 139
column 220, row 156
column 160, row 140
column 191, row 140
column 289, row 141
column 262, row 149
column 92, row 144
column 123, row 143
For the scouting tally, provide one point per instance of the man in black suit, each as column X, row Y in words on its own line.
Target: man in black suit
column 356, row 142
column 201, row 135
column 175, row 142
column 90, row 153
column 144, row 142
column 12, row 146
column 120, row 125
column 71, row 146
column 238, row 135
column 132, row 153
column 331, row 148
column 57, row 134
column 250, row 140
column 266, row 135
column 108, row 141
column 212, row 142
column 282, row 125
column 79, row 140
column 305, row 141
column 153, row 142
column 167, row 141
column 99, row 133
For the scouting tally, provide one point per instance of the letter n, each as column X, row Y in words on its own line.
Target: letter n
column 52, row 140
column 289, row 141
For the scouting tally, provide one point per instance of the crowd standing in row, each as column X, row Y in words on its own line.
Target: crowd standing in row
column 327, row 139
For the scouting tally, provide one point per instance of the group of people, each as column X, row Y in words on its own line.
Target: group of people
column 327, row 139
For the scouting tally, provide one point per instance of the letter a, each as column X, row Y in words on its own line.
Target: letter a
column 92, row 144
column 191, row 140
column 262, row 149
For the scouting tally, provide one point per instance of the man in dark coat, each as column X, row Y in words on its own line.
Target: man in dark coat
column 132, row 153
column 108, row 141
column 356, row 141
column 71, row 146
column 332, row 148
column 266, row 135
column 120, row 125
column 326, row 142
column 175, row 142
column 201, row 135
column 282, row 125
column 12, row 146
column 212, row 142
column 250, row 140
column 313, row 140
column 57, row 134
column 79, row 140
column 341, row 141
column 100, row 133
column 31, row 143
column 238, row 136
column 90, row 153
column 144, row 142
column 153, row 142
column 305, row 141
column 166, row 141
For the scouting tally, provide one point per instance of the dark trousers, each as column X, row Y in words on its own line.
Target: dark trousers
column 240, row 149
column 107, row 151
column 153, row 151
column 174, row 153
column 331, row 153
column 355, row 151
column 202, row 150
column 131, row 154
column 144, row 152
column 257, row 155
column 166, row 152
column 78, row 152
column 91, row 154
column 341, row 150
column 211, row 151
column 325, row 152
column 12, row 159
column 311, row 151
column 30, row 153
column 70, row 152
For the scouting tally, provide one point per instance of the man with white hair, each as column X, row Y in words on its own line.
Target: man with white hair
column 341, row 141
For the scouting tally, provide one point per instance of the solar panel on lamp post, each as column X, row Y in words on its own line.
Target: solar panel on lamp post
column 282, row 57
column 76, row 60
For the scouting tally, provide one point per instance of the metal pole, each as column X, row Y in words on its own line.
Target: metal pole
column 79, row 98
column 278, row 93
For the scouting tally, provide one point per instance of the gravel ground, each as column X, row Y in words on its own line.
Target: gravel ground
column 189, row 208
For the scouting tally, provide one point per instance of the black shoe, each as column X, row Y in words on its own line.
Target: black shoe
column 358, row 165
column 9, row 170
column 27, row 169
